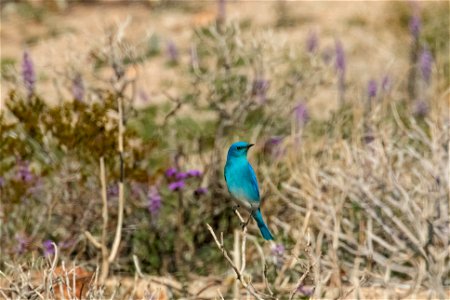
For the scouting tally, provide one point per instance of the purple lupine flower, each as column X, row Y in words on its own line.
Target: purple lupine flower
column 143, row 96
column 421, row 108
column 23, row 173
column 340, row 66
column 78, row 87
column 112, row 190
column 28, row 75
column 154, row 200
column 200, row 191
column 272, row 146
column 426, row 64
column 2, row 182
column 278, row 252
column 372, row 88
column 386, row 83
column 66, row 244
column 221, row 10
column 181, row 176
column 340, row 58
column 172, row 51
column 278, row 249
column 304, row 291
column 274, row 140
column 194, row 173
column 22, row 243
column 415, row 25
column 301, row 114
column 171, row 172
column 48, row 248
column 312, row 42
column 259, row 89
column 177, row 185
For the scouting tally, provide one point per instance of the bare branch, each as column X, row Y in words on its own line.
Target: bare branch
column 230, row 261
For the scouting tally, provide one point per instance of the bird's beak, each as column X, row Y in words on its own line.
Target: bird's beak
column 250, row 145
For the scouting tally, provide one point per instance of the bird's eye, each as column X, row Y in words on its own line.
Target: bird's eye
column 239, row 148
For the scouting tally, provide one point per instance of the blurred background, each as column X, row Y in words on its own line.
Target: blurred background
column 347, row 103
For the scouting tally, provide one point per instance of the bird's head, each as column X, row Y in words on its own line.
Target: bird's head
column 239, row 149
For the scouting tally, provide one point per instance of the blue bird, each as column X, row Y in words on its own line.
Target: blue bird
column 243, row 185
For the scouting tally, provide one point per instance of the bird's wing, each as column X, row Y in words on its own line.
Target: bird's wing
column 225, row 176
column 254, row 184
column 225, row 171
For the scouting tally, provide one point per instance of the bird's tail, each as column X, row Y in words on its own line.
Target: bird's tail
column 262, row 226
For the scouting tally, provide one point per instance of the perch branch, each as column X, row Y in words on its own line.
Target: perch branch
column 230, row 261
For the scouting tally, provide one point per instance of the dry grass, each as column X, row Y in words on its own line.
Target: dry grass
column 371, row 210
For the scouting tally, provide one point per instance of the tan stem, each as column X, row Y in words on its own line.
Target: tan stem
column 118, row 235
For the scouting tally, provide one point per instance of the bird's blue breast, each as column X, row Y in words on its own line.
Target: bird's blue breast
column 241, row 180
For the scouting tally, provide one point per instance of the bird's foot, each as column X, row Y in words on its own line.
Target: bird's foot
column 244, row 224
column 235, row 207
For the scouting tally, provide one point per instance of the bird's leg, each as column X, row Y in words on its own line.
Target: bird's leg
column 248, row 220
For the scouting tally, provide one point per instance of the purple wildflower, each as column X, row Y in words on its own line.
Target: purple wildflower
column 340, row 58
column 386, row 83
column 23, row 173
column 172, row 51
column 372, row 88
column 274, row 140
column 340, row 66
column 112, row 190
column 194, row 173
column 421, row 108
column 259, row 89
column 78, row 87
column 221, row 10
column 414, row 26
column 143, row 96
column 154, row 200
column 181, row 176
column 177, row 185
column 28, row 75
column 426, row 63
column 312, row 42
column 301, row 114
column 48, row 248
column 278, row 252
column 171, row 172
column 272, row 146
column 22, row 243
column 304, row 291
column 66, row 244
column 2, row 182
column 200, row 191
